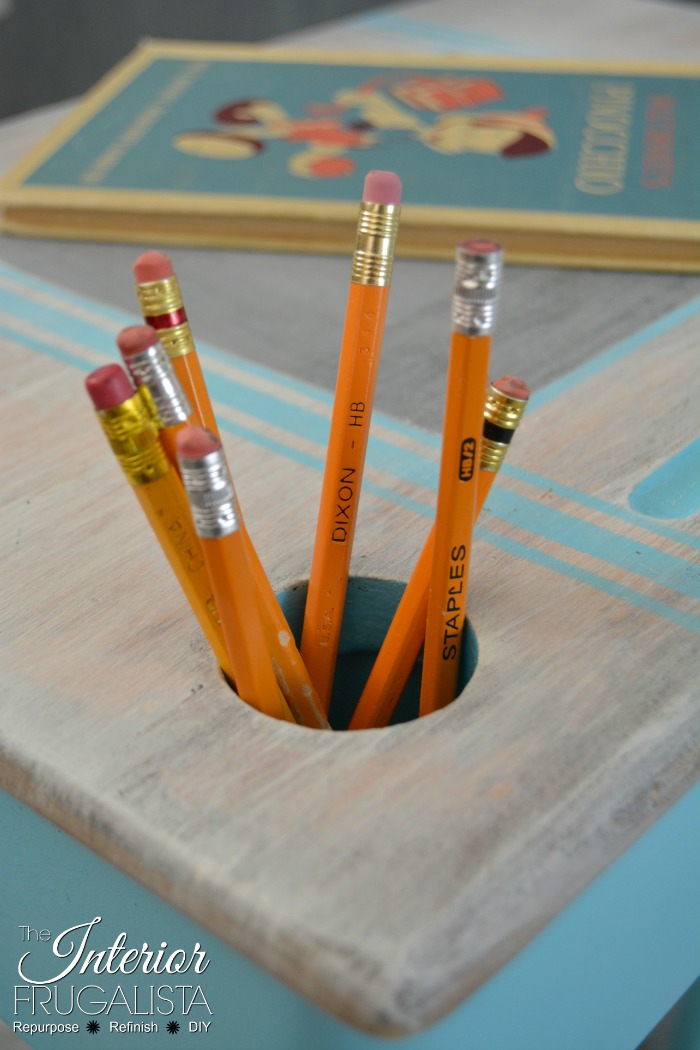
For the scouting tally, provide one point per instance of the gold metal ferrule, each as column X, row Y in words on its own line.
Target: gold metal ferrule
column 151, row 369
column 133, row 435
column 505, row 413
column 178, row 340
column 164, row 297
column 160, row 297
column 211, row 495
column 373, row 258
column 478, row 268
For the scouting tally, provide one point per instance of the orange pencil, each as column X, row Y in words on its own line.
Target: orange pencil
column 349, row 430
column 151, row 370
column 505, row 404
column 477, row 277
column 217, row 522
column 163, row 309
column 292, row 675
column 126, row 418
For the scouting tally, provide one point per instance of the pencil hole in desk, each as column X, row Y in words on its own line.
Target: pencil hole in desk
column 672, row 490
column 369, row 608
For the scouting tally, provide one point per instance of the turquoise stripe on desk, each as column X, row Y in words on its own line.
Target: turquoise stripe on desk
column 306, row 425
column 57, row 352
column 630, row 517
column 44, row 318
column 65, row 315
column 237, row 429
column 633, row 556
column 445, row 38
column 67, row 308
column 96, row 335
column 616, row 353
column 600, row 583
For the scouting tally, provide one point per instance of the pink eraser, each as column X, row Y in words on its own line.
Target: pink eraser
column 479, row 246
column 382, row 187
column 152, row 266
column 512, row 387
column 108, row 387
column 196, row 442
column 136, row 338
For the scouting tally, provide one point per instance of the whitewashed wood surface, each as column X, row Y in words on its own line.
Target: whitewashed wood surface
column 384, row 874
column 387, row 874
column 606, row 29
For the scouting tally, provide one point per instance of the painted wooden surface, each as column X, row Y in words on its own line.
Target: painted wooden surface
column 387, row 874
column 599, row 29
column 384, row 874
column 595, row 976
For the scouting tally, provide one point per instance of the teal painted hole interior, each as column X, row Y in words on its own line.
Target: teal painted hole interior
column 370, row 605
column 673, row 489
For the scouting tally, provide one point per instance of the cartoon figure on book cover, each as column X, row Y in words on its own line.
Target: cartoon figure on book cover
column 361, row 117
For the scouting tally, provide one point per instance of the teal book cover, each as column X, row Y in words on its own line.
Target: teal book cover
column 226, row 144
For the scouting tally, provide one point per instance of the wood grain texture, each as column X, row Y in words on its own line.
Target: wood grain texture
column 384, row 874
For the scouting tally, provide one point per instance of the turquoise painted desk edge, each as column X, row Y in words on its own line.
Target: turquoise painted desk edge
column 602, row 974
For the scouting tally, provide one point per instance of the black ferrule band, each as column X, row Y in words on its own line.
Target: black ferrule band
column 495, row 433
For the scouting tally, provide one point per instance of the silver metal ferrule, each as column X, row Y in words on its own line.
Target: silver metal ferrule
column 478, row 266
column 211, row 495
column 153, row 369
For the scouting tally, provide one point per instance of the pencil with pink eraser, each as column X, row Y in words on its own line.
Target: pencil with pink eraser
column 370, row 280
column 163, row 309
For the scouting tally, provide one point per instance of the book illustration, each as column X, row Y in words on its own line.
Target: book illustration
column 495, row 136
column 573, row 163
column 359, row 118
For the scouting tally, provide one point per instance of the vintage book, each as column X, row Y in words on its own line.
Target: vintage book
column 566, row 163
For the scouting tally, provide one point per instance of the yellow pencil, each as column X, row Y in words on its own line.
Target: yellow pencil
column 127, row 419
column 163, row 309
column 151, row 370
column 477, row 278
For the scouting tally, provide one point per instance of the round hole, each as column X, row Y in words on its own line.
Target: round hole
column 369, row 609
